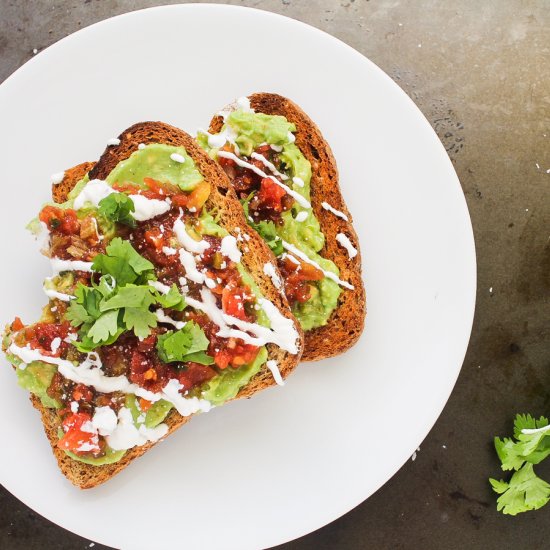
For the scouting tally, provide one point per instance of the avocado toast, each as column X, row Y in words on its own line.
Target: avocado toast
column 159, row 308
column 285, row 176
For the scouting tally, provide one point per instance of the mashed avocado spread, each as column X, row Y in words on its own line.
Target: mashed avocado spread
column 113, row 317
column 243, row 134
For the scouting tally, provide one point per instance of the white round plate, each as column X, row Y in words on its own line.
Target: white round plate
column 261, row 472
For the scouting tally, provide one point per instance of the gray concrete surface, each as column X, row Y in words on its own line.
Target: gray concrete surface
column 480, row 72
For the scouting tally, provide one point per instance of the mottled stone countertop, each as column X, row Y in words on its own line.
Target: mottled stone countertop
column 480, row 73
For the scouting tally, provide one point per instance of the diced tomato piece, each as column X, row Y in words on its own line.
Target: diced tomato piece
column 237, row 355
column 156, row 187
column 270, row 195
column 234, row 299
column 180, row 200
column 80, row 436
column 128, row 188
column 41, row 335
column 155, row 237
column 17, row 325
column 297, row 277
column 82, row 392
column 222, row 358
column 58, row 219
column 144, row 405
column 198, row 196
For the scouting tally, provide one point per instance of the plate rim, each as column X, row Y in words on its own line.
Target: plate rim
column 469, row 234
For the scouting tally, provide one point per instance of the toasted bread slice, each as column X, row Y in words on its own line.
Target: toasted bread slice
column 70, row 178
column 345, row 325
column 230, row 217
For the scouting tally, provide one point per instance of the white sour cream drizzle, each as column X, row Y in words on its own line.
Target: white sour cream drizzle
column 274, row 368
column 59, row 265
column 93, row 192
column 57, row 177
column 270, row 271
column 328, row 207
column 282, row 331
column 190, row 244
column 127, row 435
column 230, row 249
column 51, row 293
column 162, row 288
column 344, row 241
column 90, row 373
column 113, row 141
column 243, row 164
column 269, row 165
column 186, row 406
column 176, row 157
column 301, row 216
column 191, row 272
column 163, row 318
column 145, row 209
column 293, row 250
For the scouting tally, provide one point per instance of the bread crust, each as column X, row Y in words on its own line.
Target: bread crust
column 70, row 178
column 223, row 198
column 346, row 322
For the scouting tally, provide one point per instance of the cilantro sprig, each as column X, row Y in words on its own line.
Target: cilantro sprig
column 529, row 446
column 186, row 344
column 121, row 300
column 118, row 207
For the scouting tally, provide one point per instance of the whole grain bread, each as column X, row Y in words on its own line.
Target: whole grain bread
column 70, row 178
column 346, row 323
column 255, row 255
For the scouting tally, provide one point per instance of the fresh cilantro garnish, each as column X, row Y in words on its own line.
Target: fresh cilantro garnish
column 129, row 296
column 140, row 320
column 118, row 207
column 265, row 228
column 123, row 263
column 530, row 445
column 186, row 344
column 173, row 299
column 104, row 326
column 121, row 300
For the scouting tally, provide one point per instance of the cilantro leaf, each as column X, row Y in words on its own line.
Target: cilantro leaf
column 172, row 299
column 106, row 285
column 77, row 314
column 129, row 296
column 86, row 344
column 117, row 207
column 139, row 320
column 508, row 453
column 85, row 307
column 123, row 262
column 186, row 344
column 530, row 445
column 525, row 491
column 523, row 422
column 105, row 325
